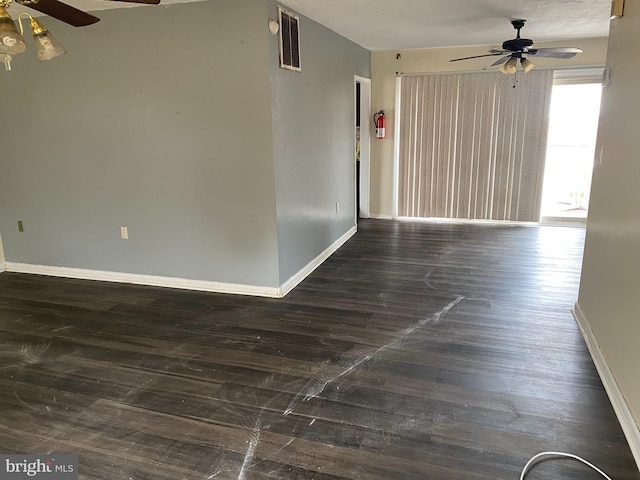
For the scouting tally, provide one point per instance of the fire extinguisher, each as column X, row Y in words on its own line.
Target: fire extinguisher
column 379, row 122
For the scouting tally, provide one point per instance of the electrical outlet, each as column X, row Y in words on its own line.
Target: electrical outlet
column 337, row 207
column 124, row 233
column 20, row 226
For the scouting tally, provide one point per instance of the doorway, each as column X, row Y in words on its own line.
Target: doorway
column 362, row 137
column 573, row 127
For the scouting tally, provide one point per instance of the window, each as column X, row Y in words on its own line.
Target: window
column 571, row 146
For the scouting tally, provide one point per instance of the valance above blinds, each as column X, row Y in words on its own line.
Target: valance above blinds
column 473, row 146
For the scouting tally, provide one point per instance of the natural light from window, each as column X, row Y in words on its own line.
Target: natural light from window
column 573, row 125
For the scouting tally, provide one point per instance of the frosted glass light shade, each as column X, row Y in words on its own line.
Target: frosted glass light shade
column 527, row 65
column 510, row 67
column 11, row 42
column 48, row 46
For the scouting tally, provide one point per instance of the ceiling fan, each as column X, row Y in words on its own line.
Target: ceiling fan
column 12, row 42
column 520, row 50
column 66, row 13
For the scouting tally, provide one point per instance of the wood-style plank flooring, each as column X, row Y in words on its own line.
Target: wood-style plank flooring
column 417, row 351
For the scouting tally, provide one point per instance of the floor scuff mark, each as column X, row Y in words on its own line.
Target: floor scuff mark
column 254, row 440
column 217, row 472
column 314, row 388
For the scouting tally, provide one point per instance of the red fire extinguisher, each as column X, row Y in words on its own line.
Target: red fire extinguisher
column 380, row 122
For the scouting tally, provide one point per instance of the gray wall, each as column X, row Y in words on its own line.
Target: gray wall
column 178, row 123
column 314, row 142
column 159, row 119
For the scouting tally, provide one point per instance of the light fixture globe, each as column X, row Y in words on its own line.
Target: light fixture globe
column 527, row 65
column 48, row 46
column 511, row 66
column 11, row 42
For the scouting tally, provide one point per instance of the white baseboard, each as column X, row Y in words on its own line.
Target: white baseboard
column 625, row 417
column 138, row 279
column 3, row 266
column 379, row 216
column 290, row 284
column 181, row 283
column 468, row 221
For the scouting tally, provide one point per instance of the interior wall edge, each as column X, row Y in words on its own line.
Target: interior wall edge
column 305, row 271
column 629, row 426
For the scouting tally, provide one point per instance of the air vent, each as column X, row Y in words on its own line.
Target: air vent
column 289, row 40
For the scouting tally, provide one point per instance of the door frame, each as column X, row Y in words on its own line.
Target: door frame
column 2, row 262
column 365, row 145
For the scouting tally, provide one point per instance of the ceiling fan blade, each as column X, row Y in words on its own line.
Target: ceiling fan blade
column 558, row 52
column 499, row 50
column 500, row 61
column 476, row 56
column 63, row 12
column 148, row 2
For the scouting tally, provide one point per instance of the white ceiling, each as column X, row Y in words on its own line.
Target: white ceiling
column 404, row 24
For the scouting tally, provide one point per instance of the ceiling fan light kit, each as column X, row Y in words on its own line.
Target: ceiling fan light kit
column 518, row 50
column 12, row 42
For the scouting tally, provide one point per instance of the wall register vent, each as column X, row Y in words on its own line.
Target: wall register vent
column 289, row 40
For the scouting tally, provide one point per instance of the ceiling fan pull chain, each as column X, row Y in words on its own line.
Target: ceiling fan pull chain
column 7, row 62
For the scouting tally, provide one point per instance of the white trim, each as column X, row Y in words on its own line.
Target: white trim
column 2, row 263
column 181, row 283
column 290, row 284
column 473, row 221
column 138, row 279
column 379, row 216
column 575, row 76
column 396, row 147
column 625, row 417
column 579, row 221
column 365, row 144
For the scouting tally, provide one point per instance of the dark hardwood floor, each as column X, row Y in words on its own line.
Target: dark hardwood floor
column 417, row 351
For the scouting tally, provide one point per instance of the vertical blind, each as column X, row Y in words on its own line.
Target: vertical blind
column 473, row 146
